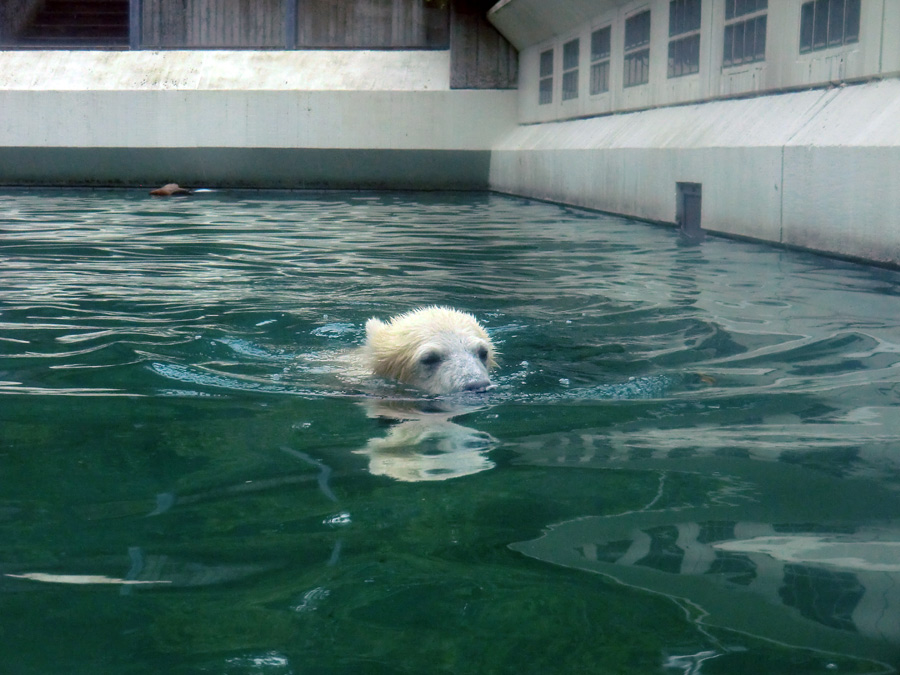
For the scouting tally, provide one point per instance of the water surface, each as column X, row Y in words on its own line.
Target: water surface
column 689, row 464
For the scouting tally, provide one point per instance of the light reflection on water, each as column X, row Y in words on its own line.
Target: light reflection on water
column 181, row 405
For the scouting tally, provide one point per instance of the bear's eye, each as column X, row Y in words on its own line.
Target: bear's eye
column 482, row 353
column 430, row 359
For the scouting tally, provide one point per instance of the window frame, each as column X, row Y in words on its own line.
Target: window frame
column 600, row 60
column 818, row 29
column 570, row 68
column 637, row 54
column 742, row 16
column 684, row 34
column 545, row 76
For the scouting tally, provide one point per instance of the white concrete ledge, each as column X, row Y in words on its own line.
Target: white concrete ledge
column 217, row 70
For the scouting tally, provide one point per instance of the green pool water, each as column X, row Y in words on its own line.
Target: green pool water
column 689, row 464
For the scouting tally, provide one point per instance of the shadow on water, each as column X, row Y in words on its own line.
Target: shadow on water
column 689, row 462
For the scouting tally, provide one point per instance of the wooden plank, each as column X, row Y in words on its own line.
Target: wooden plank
column 480, row 58
column 213, row 23
column 15, row 15
column 371, row 24
column 363, row 24
column 134, row 24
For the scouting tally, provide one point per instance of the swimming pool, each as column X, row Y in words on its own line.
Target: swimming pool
column 689, row 463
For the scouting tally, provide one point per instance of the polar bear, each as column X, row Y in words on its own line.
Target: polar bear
column 437, row 349
column 170, row 189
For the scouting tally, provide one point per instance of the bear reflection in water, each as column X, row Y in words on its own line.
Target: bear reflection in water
column 425, row 444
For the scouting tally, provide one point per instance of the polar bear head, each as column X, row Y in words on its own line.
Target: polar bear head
column 437, row 349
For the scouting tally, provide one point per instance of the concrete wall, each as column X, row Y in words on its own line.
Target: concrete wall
column 841, row 184
column 818, row 169
column 273, row 119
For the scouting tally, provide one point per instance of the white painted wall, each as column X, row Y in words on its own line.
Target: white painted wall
column 818, row 169
column 439, row 120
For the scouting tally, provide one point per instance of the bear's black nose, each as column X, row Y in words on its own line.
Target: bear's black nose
column 477, row 385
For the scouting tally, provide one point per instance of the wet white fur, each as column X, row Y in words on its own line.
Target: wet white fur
column 437, row 349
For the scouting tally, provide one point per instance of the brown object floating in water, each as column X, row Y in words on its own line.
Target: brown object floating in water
column 170, row 189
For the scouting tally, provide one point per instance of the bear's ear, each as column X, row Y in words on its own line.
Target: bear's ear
column 373, row 327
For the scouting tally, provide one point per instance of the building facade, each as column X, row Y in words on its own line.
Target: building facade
column 777, row 121
column 616, row 56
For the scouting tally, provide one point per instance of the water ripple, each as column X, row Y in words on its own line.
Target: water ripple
column 268, row 292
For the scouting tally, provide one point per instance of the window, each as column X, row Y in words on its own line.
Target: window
column 546, row 78
column 570, row 70
column 600, row 60
column 828, row 23
column 745, row 32
column 637, row 49
column 684, row 24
